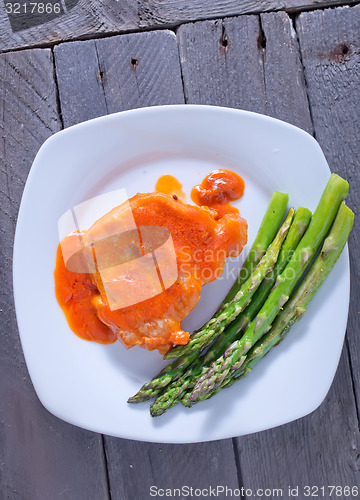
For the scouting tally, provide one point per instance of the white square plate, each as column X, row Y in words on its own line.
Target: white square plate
column 88, row 384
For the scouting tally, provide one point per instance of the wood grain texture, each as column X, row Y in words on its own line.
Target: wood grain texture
column 240, row 63
column 97, row 77
column 89, row 17
column 285, row 90
column 330, row 454
column 246, row 72
column 215, row 56
column 41, row 456
column 120, row 73
column 79, row 82
column 320, row 449
column 86, row 17
column 175, row 11
column 330, row 47
column 142, row 465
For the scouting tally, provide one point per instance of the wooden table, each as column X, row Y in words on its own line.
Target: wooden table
column 294, row 60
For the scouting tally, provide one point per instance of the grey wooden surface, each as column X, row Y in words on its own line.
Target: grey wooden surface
column 267, row 78
column 332, row 71
column 89, row 17
column 303, row 70
column 247, row 62
column 117, row 73
column 41, row 456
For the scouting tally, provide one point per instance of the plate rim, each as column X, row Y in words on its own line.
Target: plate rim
column 36, row 165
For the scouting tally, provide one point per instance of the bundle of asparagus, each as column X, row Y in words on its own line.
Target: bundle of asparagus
column 256, row 314
column 173, row 371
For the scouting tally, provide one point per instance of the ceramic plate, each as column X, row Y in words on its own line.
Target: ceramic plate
column 88, row 384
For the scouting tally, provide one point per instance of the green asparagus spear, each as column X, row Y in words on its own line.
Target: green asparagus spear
column 335, row 191
column 269, row 225
column 171, row 372
column 176, row 390
column 216, row 325
column 297, row 305
column 296, row 232
column 298, row 227
column 268, row 228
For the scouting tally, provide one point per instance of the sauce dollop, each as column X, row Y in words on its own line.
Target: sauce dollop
column 217, row 190
column 168, row 184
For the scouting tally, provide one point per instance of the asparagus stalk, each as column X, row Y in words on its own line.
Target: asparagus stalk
column 171, row 372
column 297, row 305
column 268, row 227
column 335, row 191
column 218, row 323
column 175, row 391
column 298, row 227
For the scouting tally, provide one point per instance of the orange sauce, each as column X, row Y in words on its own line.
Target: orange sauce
column 168, row 184
column 75, row 293
column 217, row 190
column 201, row 240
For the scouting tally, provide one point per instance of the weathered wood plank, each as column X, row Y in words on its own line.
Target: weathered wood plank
column 41, row 456
column 89, row 17
column 175, row 11
column 213, row 55
column 97, row 77
column 248, row 73
column 318, row 450
column 283, row 75
column 330, row 453
column 84, row 18
column 142, row 465
column 239, row 63
column 126, row 72
column 330, row 47
column 146, row 64
column 72, row 60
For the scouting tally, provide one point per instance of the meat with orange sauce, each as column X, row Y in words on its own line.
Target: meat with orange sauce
column 200, row 241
